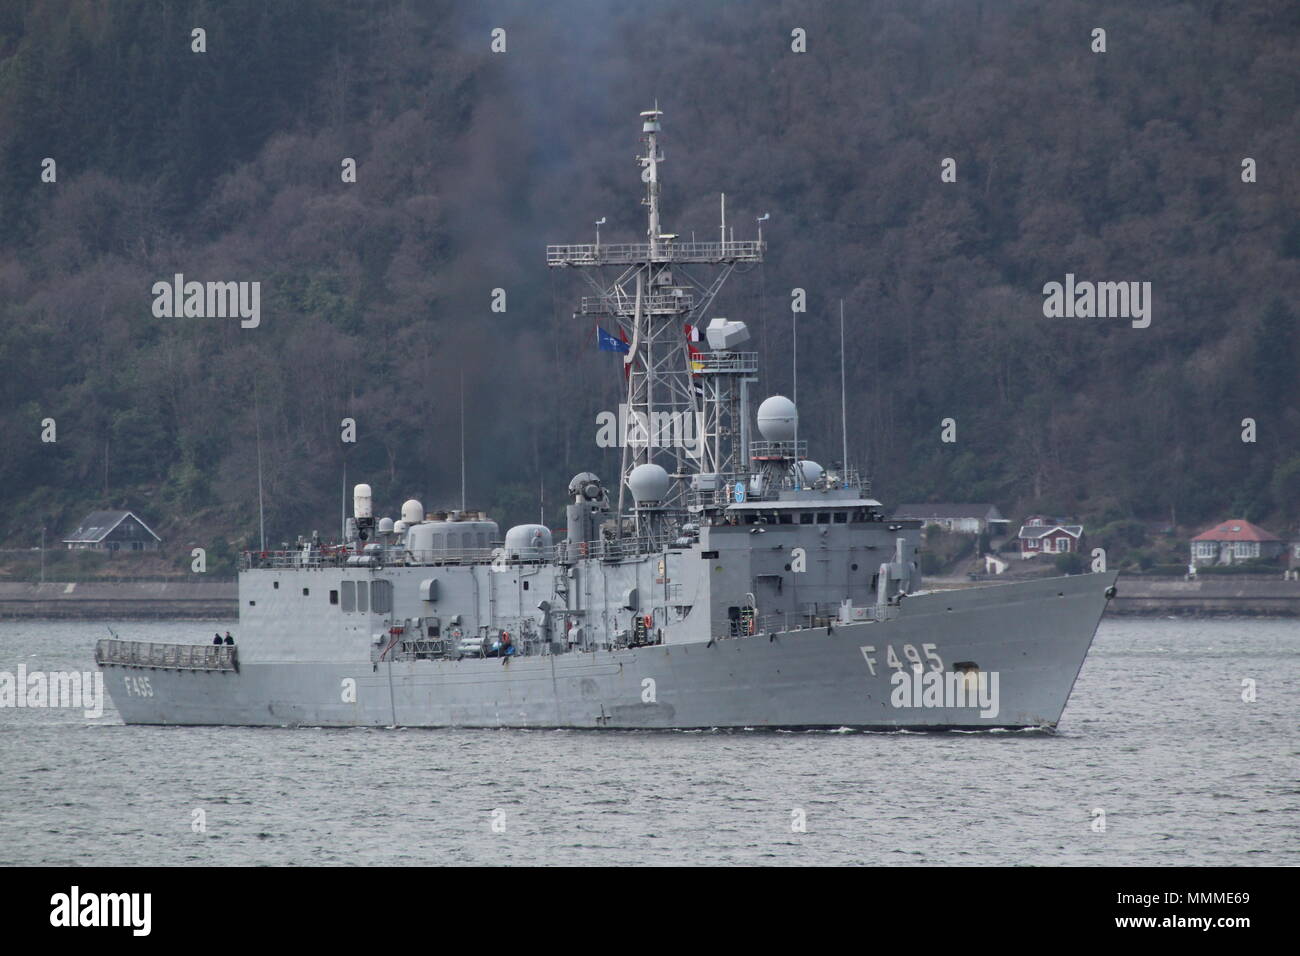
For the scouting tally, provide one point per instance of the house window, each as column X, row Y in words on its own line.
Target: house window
column 1245, row 549
column 1206, row 549
column 1062, row 544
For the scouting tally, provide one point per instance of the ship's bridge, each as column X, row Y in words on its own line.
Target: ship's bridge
column 815, row 508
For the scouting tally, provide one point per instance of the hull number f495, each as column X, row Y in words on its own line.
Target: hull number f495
column 910, row 653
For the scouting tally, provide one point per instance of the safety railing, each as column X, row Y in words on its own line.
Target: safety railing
column 185, row 657
column 566, row 551
column 730, row 363
column 626, row 304
column 631, row 253
column 751, row 624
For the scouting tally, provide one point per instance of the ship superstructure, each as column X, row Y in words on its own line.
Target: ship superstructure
column 723, row 579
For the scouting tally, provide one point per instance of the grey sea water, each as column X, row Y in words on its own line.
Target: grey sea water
column 1157, row 735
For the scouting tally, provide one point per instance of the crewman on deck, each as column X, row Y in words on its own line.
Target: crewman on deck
column 507, row 647
column 216, row 638
column 229, row 639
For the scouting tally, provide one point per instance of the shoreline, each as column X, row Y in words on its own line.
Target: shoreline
column 1217, row 596
column 104, row 600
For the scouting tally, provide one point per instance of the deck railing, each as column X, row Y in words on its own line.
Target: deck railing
column 631, row 253
column 565, row 551
column 185, row 657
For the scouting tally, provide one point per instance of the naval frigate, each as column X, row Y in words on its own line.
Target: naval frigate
column 726, row 580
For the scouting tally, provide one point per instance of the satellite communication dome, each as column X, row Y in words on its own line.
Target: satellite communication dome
column 399, row 527
column 648, row 483
column 361, row 501
column 810, row 471
column 385, row 525
column 412, row 511
column 777, row 418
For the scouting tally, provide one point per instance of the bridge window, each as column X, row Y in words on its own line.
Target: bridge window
column 823, row 517
column 841, row 517
column 806, row 518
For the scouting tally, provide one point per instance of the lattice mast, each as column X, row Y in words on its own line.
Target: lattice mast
column 653, row 299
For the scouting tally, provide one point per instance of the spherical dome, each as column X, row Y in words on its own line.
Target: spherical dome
column 777, row 418
column 412, row 511
column 385, row 525
column 648, row 483
column 399, row 527
column 810, row 471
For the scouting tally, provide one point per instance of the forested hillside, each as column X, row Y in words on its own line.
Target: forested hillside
column 225, row 165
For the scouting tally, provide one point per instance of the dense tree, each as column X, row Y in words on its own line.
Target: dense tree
column 226, row 165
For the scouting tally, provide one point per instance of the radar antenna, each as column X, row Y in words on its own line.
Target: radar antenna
column 654, row 298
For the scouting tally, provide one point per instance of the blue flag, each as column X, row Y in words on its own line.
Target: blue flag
column 608, row 343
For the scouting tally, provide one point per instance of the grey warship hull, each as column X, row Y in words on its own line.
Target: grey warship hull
column 1035, row 635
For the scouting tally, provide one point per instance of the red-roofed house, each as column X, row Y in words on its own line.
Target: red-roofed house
column 1233, row 541
column 1042, row 535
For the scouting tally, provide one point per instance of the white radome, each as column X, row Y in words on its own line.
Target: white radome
column 778, row 418
column 648, row 483
column 361, row 501
column 811, row 471
column 412, row 512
